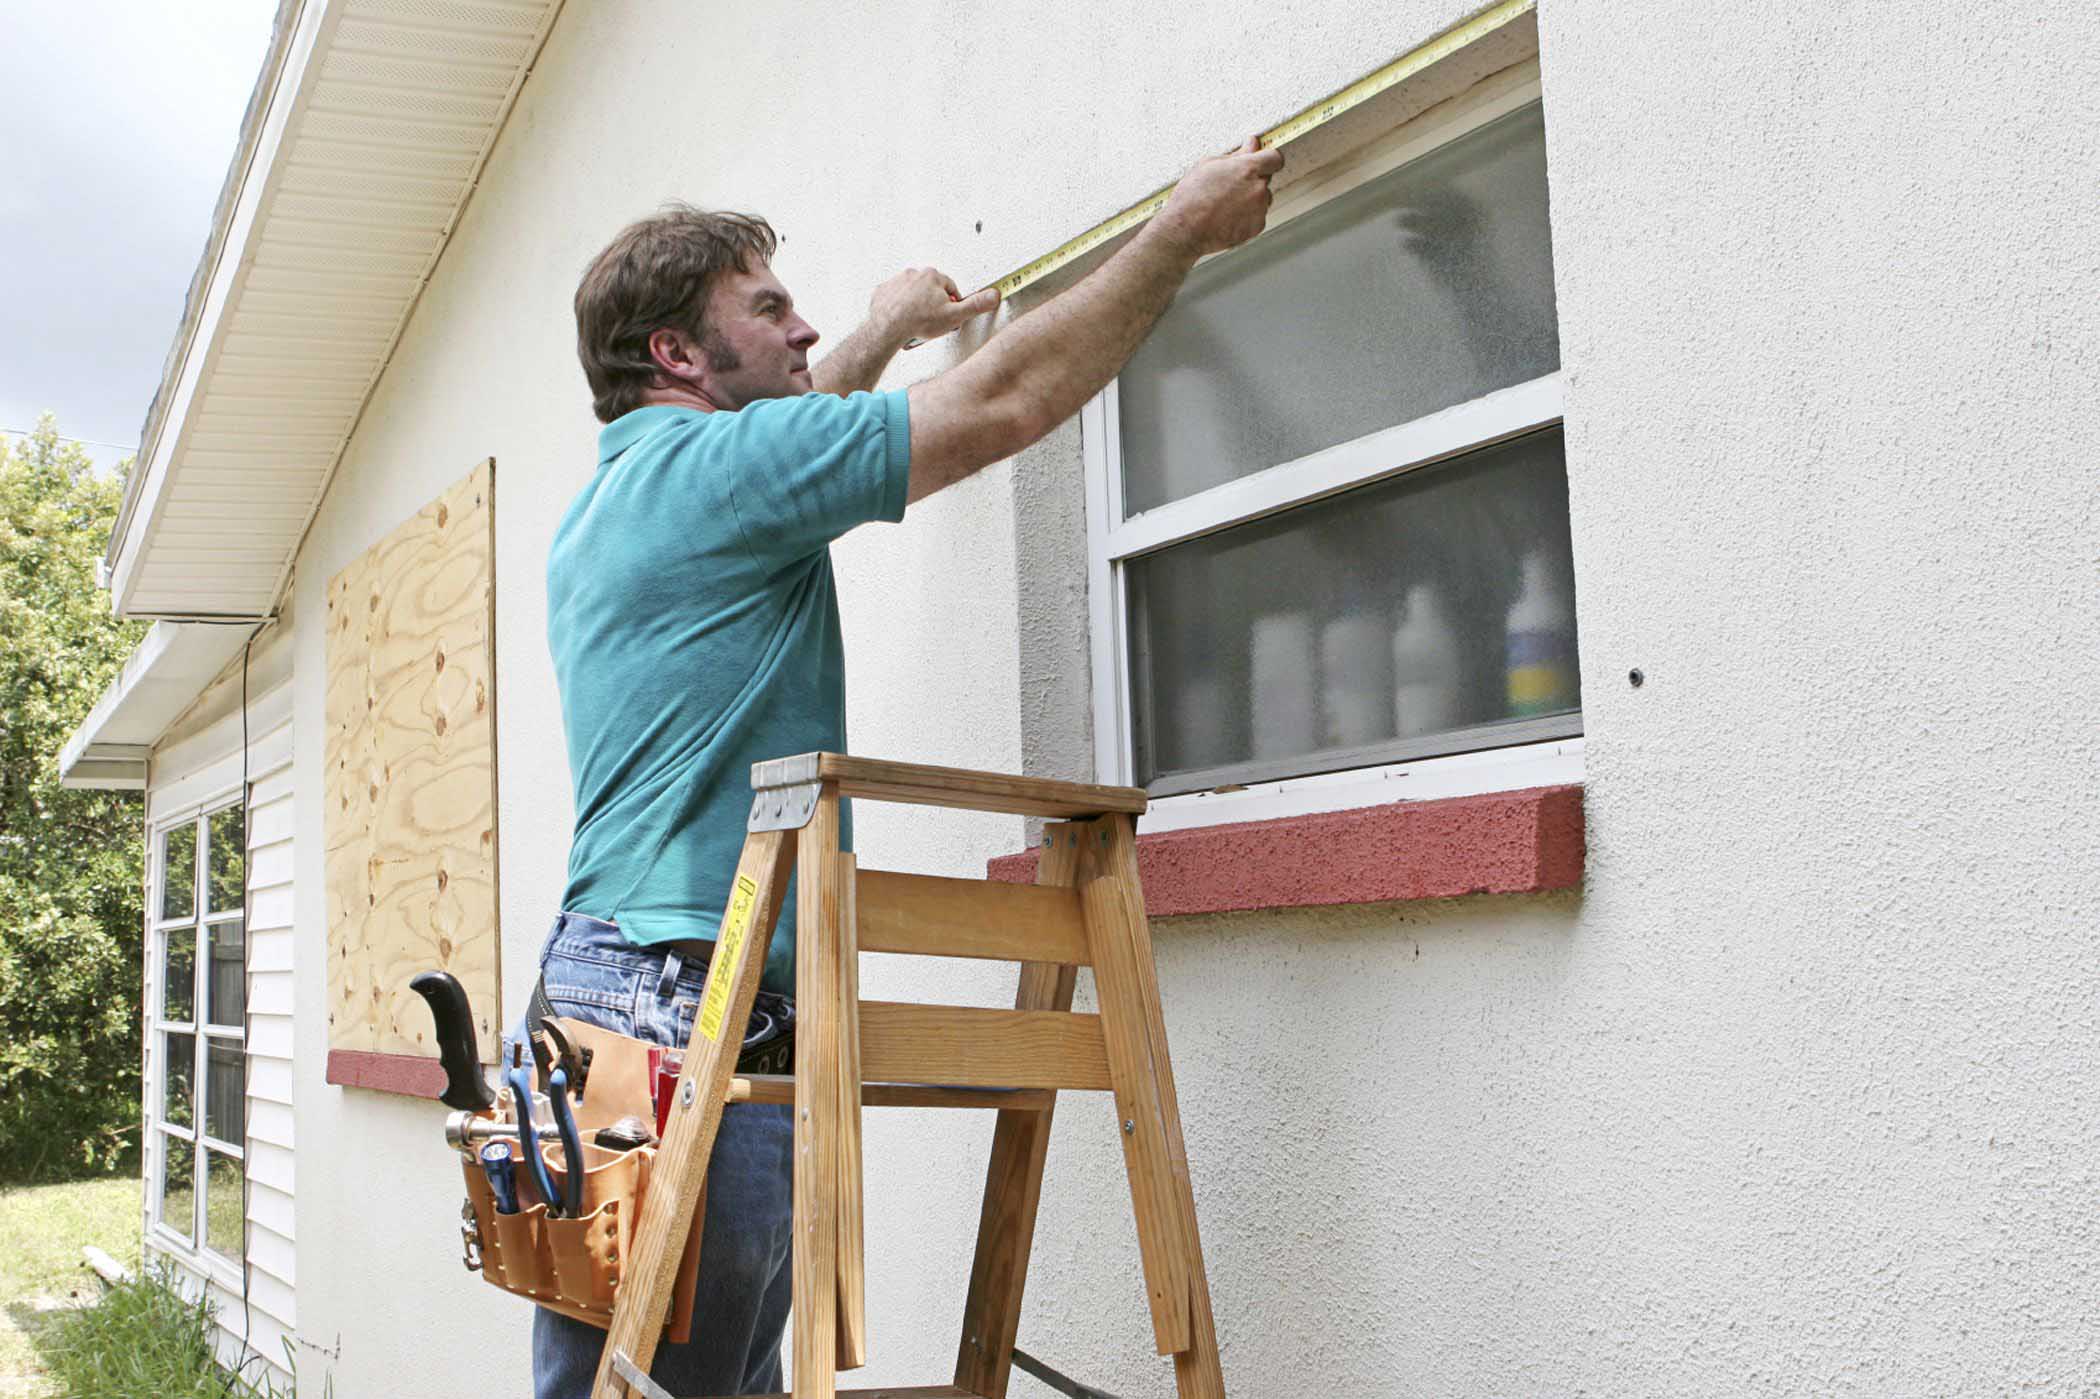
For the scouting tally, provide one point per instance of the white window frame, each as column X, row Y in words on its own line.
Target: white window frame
column 1114, row 540
column 195, row 1250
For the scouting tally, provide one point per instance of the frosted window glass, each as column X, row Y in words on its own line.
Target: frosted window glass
column 1423, row 614
column 1424, row 288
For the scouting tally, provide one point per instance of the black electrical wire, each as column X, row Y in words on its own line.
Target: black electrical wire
column 249, row 1355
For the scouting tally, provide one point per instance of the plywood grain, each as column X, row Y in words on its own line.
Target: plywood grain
column 410, row 759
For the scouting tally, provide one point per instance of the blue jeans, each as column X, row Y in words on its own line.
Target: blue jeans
column 746, row 1280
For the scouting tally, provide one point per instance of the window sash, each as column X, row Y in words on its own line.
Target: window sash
column 1114, row 538
column 196, row 1140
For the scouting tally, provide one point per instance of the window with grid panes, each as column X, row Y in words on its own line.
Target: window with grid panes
column 197, row 1110
column 1329, row 508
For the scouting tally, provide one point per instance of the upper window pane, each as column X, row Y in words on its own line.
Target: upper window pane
column 225, row 981
column 227, row 858
column 1430, row 613
column 178, row 980
column 1423, row 288
column 178, row 871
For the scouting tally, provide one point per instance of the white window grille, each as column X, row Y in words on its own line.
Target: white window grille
column 196, row 1099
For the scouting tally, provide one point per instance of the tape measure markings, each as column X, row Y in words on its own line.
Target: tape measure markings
column 1290, row 129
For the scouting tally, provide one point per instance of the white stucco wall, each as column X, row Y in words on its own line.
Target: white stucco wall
column 1798, row 1094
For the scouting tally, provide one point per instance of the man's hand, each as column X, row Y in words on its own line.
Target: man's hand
column 921, row 303
column 917, row 304
column 1222, row 201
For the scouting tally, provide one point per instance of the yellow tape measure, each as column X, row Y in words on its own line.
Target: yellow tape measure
column 1311, row 119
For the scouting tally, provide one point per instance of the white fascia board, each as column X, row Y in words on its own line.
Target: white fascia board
column 205, row 333
column 160, row 679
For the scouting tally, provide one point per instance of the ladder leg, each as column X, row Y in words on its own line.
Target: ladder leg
column 1153, row 1151
column 852, row 1246
column 651, row 1274
column 1014, row 1179
column 817, row 1016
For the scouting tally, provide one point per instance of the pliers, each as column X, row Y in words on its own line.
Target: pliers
column 570, row 1203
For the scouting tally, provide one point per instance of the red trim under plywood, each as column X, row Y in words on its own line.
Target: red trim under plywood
column 409, row 1074
column 1522, row 842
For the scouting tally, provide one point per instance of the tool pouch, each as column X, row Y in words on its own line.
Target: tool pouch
column 574, row 1266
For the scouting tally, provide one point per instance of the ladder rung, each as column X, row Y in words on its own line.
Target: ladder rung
column 780, row 1088
column 977, row 1048
column 923, row 785
column 928, row 915
column 930, row 1391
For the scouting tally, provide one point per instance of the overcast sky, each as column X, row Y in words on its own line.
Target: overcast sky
column 117, row 120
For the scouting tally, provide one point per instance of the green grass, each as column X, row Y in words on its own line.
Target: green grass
column 42, row 1229
column 136, row 1339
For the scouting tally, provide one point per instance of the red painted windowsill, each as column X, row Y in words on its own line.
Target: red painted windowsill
column 409, row 1074
column 1523, row 842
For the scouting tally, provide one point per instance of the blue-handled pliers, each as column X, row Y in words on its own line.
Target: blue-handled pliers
column 571, row 1140
column 520, row 1081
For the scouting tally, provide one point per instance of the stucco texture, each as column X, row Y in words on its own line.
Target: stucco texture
column 1798, row 1094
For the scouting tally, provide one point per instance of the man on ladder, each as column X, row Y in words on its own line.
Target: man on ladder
column 694, row 626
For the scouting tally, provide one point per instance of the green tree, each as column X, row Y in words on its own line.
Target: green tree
column 71, row 863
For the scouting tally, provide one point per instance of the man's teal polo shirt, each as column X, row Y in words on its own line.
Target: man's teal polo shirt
column 695, row 631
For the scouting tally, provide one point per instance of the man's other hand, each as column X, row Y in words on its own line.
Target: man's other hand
column 921, row 303
column 1222, row 201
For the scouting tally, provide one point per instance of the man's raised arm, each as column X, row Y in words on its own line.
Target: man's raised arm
column 1040, row 370
column 918, row 303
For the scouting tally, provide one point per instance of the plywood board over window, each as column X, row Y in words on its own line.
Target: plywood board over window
column 411, row 767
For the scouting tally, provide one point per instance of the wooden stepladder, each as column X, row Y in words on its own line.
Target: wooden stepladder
column 1085, row 909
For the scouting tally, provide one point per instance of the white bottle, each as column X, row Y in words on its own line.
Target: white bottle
column 1425, row 666
column 1203, row 723
column 1541, row 642
column 1281, row 698
column 1356, row 677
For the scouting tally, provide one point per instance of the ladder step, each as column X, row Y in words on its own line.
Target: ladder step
column 932, row 916
column 780, row 1088
column 972, row 1047
column 922, row 785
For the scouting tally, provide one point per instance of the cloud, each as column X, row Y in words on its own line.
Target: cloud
column 119, row 121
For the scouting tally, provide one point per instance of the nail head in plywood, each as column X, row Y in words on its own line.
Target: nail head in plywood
column 409, row 817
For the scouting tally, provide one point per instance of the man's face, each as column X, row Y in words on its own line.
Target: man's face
column 756, row 346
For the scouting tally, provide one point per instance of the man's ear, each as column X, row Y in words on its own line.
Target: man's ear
column 676, row 357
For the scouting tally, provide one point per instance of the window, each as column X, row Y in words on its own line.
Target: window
column 196, row 1109
column 1328, row 503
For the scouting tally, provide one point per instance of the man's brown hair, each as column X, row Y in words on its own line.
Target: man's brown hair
column 657, row 273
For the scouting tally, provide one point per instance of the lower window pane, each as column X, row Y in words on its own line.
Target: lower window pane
column 178, row 1179
column 1434, row 612
column 178, row 1102
column 225, row 1226
column 224, row 1105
